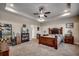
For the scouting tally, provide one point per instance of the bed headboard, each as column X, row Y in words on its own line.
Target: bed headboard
column 55, row 30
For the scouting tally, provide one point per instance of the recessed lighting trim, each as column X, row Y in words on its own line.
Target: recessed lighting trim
column 10, row 9
column 12, row 5
column 66, row 14
column 66, row 10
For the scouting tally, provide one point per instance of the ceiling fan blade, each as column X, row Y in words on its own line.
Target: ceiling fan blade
column 35, row 13
column 45, row 15
column 41, row 8
column 39, row 16
column 47, row 12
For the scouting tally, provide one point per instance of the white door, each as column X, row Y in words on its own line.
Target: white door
column 34, row 31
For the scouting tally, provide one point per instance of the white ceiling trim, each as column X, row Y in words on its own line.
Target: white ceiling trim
column 57, row 10
column 8, row 8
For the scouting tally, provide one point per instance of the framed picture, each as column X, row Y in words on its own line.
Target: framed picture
column 69, row 25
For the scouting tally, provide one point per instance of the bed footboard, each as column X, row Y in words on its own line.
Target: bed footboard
column 48, row 41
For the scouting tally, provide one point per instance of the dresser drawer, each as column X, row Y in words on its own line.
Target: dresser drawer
column 69, row 39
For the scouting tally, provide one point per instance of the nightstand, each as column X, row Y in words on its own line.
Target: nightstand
column 4, row 53
column 69, row 39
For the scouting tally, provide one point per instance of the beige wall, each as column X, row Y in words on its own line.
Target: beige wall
column 17, row 21
column 62, row 23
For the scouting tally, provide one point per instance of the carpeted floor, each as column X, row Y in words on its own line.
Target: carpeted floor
column 32, row 48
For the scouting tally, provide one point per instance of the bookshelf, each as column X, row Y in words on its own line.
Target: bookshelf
column 6, row 31
column 24, row 33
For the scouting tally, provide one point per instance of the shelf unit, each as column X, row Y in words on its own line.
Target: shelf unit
column 24, row 33
column 24, row 37
column 5, row 31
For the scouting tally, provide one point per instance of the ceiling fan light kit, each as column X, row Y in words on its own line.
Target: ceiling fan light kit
column 41, row 15
column 42, row 12
column 41, row 20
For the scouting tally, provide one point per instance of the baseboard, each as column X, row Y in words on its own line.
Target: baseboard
column 33, row 38
column 77, row 43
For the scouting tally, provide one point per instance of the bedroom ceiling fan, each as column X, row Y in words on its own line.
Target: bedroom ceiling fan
column 42, row 12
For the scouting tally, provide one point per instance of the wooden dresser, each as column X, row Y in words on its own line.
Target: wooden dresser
column 4, row 53
column 4, row 48
column 69, row 39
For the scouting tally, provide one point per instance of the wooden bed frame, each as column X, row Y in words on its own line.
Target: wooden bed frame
column 51, row 41
column 48, row 41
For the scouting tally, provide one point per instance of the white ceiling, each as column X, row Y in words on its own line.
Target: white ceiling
column 56, row 9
